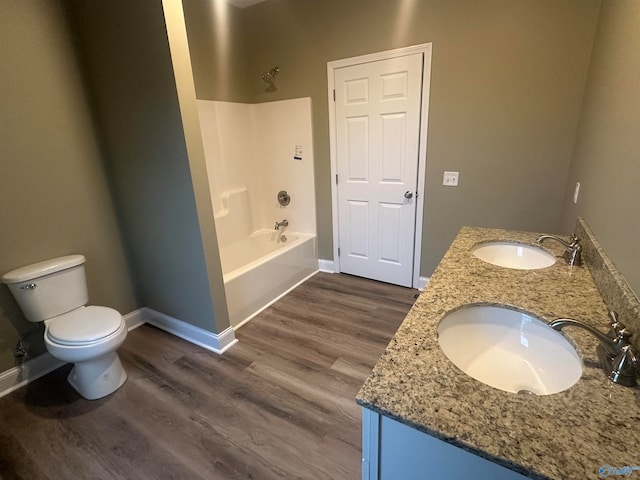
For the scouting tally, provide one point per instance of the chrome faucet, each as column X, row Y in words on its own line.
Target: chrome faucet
column 573, row 249
column 617, row 357
column 283, row 223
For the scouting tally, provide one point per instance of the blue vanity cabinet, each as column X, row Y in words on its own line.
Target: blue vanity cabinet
column 392, row 450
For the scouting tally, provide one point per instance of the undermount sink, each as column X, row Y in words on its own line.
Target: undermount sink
column 514, row 255
column 509, row 350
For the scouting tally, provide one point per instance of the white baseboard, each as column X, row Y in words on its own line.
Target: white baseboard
column 217, row 343
column 327, row 266
column 134, row 319
column 29, row 371
column 19, row 376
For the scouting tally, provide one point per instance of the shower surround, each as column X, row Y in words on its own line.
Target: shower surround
column 253, row 151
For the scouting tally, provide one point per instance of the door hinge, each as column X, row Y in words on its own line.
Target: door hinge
column 334, row 94
column 336, row 178
column 338, row 251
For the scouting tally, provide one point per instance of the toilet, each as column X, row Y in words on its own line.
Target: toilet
column 55, row 292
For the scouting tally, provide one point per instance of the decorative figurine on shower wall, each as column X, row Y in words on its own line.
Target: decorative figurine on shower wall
column 269, row 78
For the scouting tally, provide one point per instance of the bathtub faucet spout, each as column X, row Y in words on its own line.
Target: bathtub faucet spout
column 283, row 223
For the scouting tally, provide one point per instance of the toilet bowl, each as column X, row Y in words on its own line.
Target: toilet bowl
column 55, row 292
column 97, row 368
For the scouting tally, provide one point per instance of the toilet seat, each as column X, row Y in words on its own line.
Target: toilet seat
column 84, row 325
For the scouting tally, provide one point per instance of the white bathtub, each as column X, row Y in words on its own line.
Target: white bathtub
column 261, row 268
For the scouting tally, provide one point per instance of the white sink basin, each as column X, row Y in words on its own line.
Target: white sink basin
column 509, row 350
column 514, row 255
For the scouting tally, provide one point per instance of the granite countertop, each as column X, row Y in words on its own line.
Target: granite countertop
column 561, row 436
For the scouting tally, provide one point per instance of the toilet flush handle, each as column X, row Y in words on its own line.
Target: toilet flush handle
column 28, row 286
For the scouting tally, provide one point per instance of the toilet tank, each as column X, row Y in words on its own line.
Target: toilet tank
column 47, row 289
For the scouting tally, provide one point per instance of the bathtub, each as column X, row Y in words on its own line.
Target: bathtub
column 263, row 267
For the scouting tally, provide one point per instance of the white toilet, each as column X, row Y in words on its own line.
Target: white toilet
column 55, row 291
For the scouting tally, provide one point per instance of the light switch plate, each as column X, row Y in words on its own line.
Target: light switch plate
column 450, row 179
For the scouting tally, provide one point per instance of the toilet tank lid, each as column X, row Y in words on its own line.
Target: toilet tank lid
column 41, row 269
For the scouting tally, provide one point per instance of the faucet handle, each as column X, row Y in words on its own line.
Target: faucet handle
column 623, row 333
column 616, row 326
column 621, row 339
column 574, row 242
column 624, row 368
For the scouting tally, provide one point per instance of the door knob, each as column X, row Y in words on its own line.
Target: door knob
column 408, row 194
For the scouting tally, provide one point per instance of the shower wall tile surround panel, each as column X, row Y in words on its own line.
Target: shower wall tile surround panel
column 278, row 128
column 250, row 152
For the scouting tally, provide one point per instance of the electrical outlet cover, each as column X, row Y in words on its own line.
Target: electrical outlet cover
column 450, row 179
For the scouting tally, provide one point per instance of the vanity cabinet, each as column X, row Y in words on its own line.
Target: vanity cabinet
column 392, row 450
column 417, row 388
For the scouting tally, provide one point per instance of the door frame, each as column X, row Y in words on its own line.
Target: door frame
column 426, row 50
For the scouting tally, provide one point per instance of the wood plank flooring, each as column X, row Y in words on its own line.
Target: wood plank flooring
column 278, row 405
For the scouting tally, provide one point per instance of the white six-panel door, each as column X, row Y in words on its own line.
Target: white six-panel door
column 378, row 107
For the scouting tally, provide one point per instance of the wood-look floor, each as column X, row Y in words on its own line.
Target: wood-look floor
column 278, row 405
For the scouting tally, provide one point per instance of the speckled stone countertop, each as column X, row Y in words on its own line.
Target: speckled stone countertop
column 567, row 435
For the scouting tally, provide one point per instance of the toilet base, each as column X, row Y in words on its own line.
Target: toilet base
column 98, row 377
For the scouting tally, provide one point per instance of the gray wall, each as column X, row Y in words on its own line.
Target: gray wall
column 606, row 159
column 130, row 74
column 220, row 63
column 55, row 194
column 507, row 83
